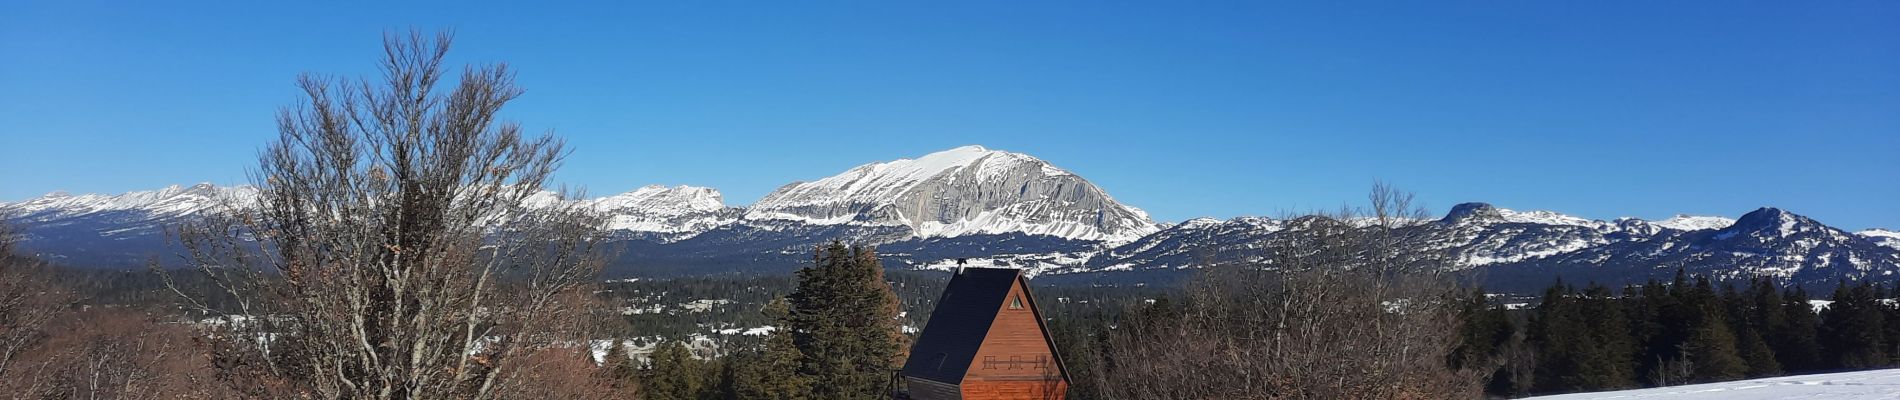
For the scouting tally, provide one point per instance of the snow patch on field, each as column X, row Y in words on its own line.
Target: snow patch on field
column 1877, row 384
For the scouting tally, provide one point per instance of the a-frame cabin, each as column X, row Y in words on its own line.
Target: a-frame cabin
column 986, row 340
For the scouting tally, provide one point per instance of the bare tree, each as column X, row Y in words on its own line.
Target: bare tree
column 29, row 300
column 400, row 244
column 113, row 353
column 1344, row 307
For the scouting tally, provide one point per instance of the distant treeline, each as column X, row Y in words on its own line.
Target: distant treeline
column 1688, row 330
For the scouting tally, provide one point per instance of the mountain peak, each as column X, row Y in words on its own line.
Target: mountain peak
column 967, row 148
column 1470, row 211
column 660, row 198
column 1198, row 223
column 1770, row 221
column 1764, row 216
column 964, row 190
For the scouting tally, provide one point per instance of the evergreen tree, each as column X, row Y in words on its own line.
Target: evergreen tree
column 1852, row 328
column 618, row 367
column 674, row 374
column 1666, row 359
column 1711, row 345
column 731, row 375
column 1796, row 340
column 1571, row 355
column 1609, row 333
column 1647, row 308
column 844, row 321
column 1755, row 352
column 1890, row 315
column 771, row 373
column 1747, row 320
column 1482, row 336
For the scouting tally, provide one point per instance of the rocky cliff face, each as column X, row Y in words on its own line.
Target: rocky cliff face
column 963, row 191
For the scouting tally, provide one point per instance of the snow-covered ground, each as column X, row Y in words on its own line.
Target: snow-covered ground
column 1877, row 384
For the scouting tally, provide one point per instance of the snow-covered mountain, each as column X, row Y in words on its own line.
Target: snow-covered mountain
column 171, row 202
column 956, row 203
column 1882, row 236
column 1524, row 249
column 962, row 191
column 678, row 212
column 1694, row 223
column 129, row 228
column 999, row 208
column 122, row 230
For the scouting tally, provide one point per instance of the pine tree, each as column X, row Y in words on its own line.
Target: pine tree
column 1665, row 358
column 618, row 367
column 1571, row 355
column 1550, row 334
column 844, row 321
column 1711, row 351
column 1746, row 320
column 771, row 373
column 1751, row 314
column 1852, row 326
column 1755, row 352
column 1797, row 340
column 1891, row 316
column 1645, row 308
column 1482, row 336
column 1711, row 345
column 1609, row 333
column 674, row 374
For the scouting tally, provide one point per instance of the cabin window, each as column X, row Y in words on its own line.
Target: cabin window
column 989, row 362
column 1015, row 302
column 1015, row 362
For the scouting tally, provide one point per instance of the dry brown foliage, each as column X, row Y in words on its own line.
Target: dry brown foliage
column 1340, row 312
column 114, row 354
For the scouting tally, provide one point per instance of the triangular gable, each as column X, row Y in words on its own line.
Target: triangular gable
column 962, row 319
column 1002, row 352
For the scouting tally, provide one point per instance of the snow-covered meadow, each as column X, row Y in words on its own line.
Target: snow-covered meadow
column 1862, row 385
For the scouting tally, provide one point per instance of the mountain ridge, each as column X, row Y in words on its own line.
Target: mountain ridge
column 1000, row 208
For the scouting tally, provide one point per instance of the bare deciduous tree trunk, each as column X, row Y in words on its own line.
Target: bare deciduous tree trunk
column 400, row 245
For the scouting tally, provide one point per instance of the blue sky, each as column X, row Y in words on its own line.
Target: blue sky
column 1597, row 109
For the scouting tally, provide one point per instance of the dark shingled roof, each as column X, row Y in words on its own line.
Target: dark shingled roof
column 956, row 329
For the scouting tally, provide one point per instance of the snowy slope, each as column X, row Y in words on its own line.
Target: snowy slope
column 1694, row 223
column 123, row 230
column 962, row 191
column 1863, row 385
column 1546, row 218
column 1527, row 249
column 1012, row 209
column 654, row 208
column 660, row 209
column 1882, row 236
column 172, row 201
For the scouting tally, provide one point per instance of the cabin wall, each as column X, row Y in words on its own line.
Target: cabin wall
column 1015, row 361
column 924, row 389
column 1015, row 390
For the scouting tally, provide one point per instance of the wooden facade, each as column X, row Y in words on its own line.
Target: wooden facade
column 987, row 340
